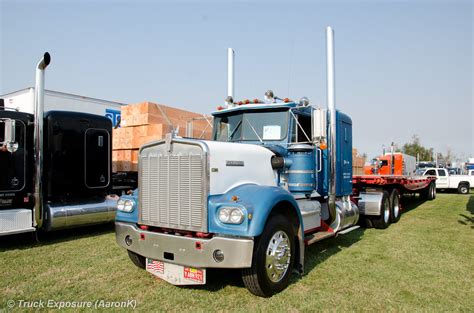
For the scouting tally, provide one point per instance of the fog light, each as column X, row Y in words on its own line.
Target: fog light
column 128, row 240
column 218, row 255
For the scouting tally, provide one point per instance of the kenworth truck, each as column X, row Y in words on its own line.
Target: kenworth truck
column 55, row 167
column 276, row 177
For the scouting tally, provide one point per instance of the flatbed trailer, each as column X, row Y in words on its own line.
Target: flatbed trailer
column 378, row 196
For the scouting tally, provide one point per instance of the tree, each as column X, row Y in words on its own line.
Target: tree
column 414, row 148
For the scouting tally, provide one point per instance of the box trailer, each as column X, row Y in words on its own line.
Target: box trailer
column 23, row 101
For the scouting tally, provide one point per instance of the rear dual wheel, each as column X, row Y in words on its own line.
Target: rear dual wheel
column 395, row 208
column 383, row 220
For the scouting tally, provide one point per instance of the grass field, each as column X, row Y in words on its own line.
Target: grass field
column 424, row 262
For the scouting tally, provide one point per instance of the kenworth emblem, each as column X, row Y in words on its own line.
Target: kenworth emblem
column 234, row 163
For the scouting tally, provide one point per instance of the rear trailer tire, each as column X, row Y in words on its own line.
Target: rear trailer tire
column 463, row 189
column 395, row 208
column 273, row 258
column 137, row 259
column 429, row 193
column 433, row 193
column 383, row 221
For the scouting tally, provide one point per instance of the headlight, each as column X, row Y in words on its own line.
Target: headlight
column 120, row 204
column 230, row 215
column 125, row 205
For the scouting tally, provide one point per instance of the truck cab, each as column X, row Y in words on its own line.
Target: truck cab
column 445, row 181
column 55, row 167
column 276, row 177
column 391, row 163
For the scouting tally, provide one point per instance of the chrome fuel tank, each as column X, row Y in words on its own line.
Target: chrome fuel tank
column 61, row 216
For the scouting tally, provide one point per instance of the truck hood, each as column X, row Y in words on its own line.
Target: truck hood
column 234, row 164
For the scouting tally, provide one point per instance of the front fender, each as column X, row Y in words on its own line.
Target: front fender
column 258, row 202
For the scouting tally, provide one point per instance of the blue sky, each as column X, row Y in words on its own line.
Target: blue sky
column 402, row 67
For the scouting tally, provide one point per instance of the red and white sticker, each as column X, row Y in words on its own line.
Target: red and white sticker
column 194, row 274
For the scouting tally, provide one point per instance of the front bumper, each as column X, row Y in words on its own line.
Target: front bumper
column 188, row 251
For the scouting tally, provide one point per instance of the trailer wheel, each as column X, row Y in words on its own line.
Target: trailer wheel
column 137, row 259
column 429, row 193
column 395, row 207
column 433, row 192
column 383, row 221
column 273, row 259
column 463, row 189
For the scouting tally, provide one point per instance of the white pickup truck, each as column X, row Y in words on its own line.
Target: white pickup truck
column 462, row 183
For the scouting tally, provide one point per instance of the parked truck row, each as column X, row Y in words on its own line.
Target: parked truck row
column 276, row 177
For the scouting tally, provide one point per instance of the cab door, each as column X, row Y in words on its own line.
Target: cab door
column 443, row 178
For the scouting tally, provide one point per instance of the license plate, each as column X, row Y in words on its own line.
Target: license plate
column 176, row 274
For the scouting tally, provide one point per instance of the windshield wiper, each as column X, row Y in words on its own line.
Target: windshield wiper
column 233, row 132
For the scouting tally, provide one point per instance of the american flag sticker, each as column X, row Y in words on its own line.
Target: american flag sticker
column 155, row 266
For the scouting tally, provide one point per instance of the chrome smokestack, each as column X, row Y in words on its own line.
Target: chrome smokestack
column 332, row 121
column 230, row 73
column 38, row 137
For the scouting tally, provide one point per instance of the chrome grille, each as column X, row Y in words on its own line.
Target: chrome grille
column 173, row 189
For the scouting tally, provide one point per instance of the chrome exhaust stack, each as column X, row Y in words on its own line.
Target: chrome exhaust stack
column 230, row 77
column 332, row 123
column 38, row 137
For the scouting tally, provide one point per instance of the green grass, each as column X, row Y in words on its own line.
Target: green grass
column 424, row 262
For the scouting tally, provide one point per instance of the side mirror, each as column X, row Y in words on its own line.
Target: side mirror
column 319, row 124
column 9, row 132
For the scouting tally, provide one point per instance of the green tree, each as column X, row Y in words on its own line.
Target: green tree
column 414, row 148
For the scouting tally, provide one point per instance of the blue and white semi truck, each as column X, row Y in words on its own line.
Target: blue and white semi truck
column 276, row 177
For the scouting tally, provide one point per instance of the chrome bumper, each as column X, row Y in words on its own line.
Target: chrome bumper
column 195, row 252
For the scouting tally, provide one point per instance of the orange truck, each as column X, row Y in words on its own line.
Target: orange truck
column 396, row 163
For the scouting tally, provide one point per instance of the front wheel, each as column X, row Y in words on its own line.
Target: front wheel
column 463, row 189
column 273, row 259
column 137, row 259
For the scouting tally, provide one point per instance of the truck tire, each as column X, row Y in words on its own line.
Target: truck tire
column 463, row 188
column 138, row 260
column 273, row 258
column 383, row 221
column 429, row 193
column 433, row 191
column 395, row 208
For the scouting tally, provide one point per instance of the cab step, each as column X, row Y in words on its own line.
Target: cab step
column 310, row 239
column 347, row 230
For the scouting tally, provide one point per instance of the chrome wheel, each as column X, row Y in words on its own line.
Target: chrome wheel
column 278, row 256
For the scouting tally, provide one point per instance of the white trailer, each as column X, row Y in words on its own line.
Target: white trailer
column 23, row 101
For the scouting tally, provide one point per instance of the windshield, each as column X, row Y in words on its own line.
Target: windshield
column 251, row 126
column 420, row 171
